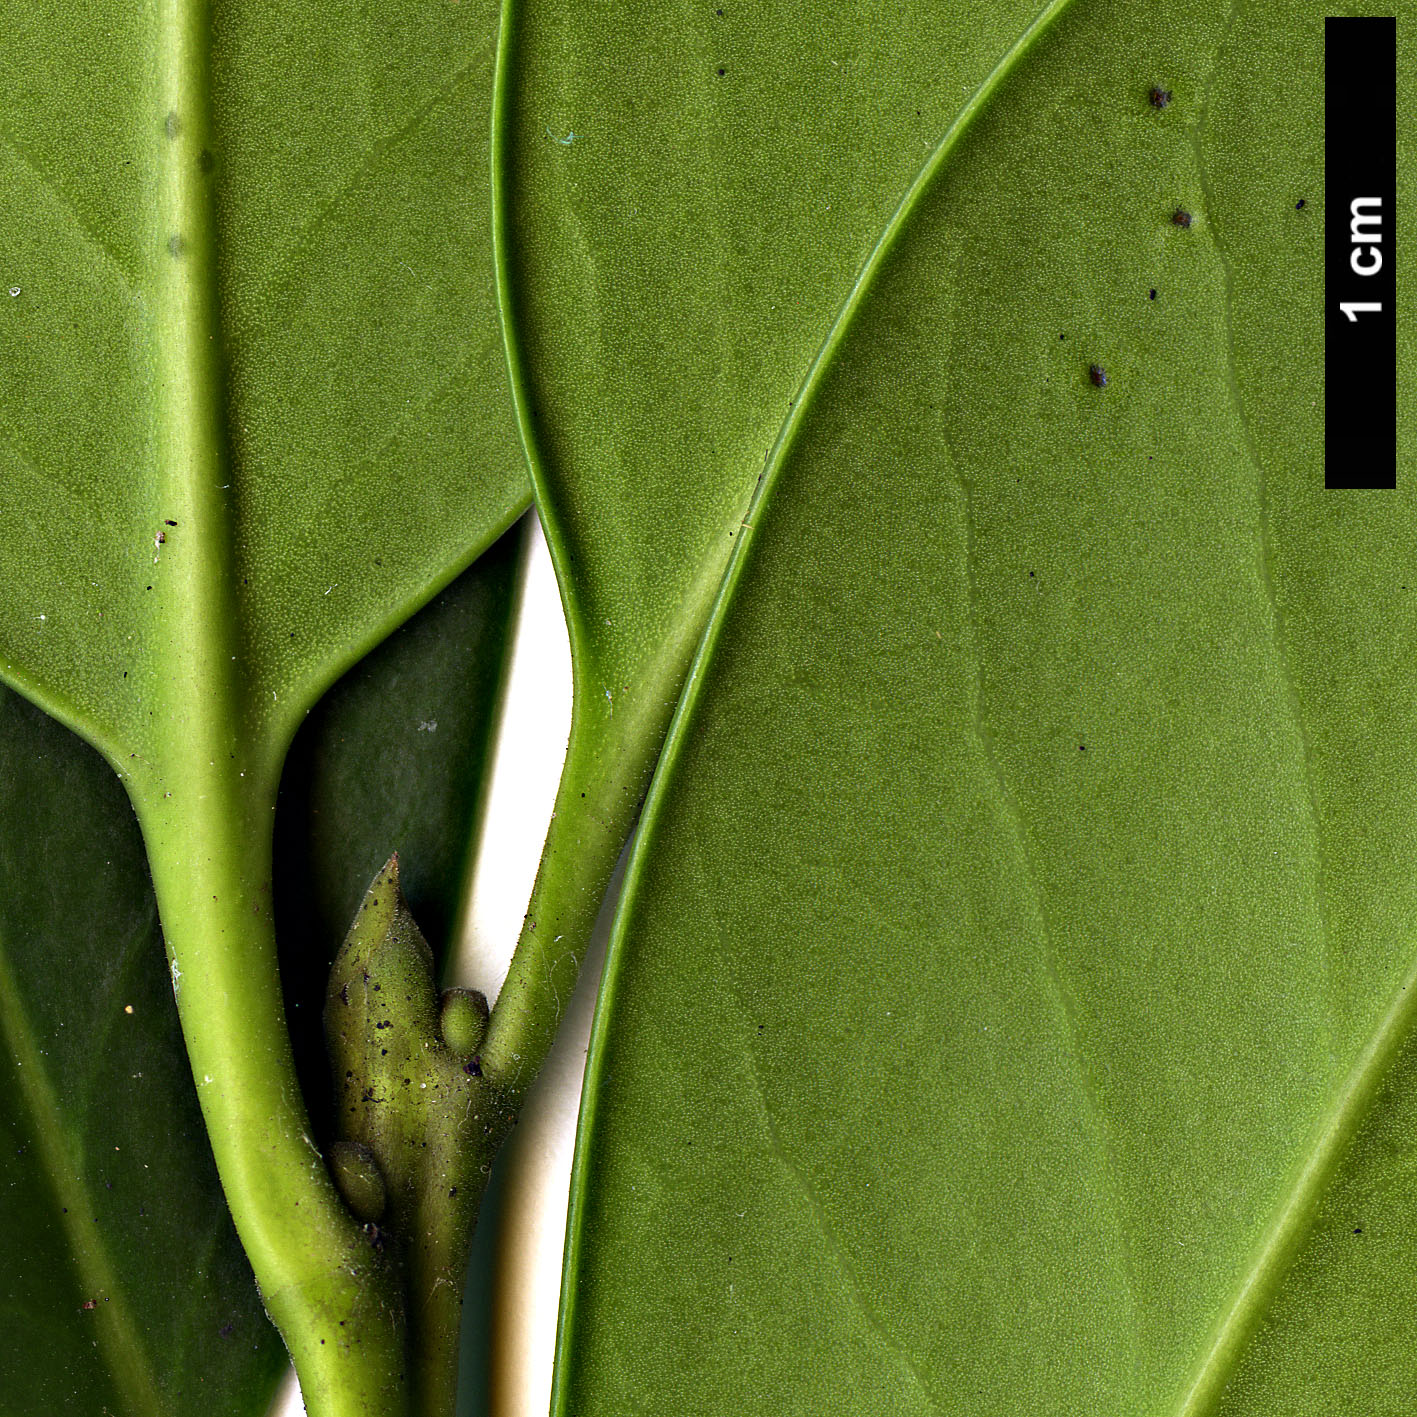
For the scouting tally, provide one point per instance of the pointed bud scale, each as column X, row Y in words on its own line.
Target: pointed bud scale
column 418, row 1124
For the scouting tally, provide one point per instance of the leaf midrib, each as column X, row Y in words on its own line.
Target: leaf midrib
column 1296, row 1214
column 194, row 570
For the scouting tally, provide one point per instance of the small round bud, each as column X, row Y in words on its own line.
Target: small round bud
column 463, row 1019
column 359, row 1179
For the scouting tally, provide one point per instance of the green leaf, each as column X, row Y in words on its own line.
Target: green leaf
column 686, row 200
column 254, row 413
column 327, row 209
column 111, row 1199
column 1010, row 1010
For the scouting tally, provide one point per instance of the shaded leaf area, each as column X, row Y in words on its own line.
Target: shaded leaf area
column 1010, row 1007
column 124, row 1287
column 392, row 759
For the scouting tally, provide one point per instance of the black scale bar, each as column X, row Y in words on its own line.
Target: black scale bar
column 1360, row 254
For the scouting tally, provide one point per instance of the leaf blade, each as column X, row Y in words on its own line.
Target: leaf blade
column 953, row 781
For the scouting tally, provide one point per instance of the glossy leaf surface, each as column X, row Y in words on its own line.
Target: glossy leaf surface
column 1010, row 1008
column 124, row 1286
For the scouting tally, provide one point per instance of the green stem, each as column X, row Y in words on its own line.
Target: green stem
column 419, row 1123
column 324, row 1283
column 608, row 762
column 438, row 1275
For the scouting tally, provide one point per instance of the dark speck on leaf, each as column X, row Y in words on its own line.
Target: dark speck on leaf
column 1151, row 294
column 1300, row 204
column 1181, row 217
column 473, row 1067
column 1098, row 375
column 1082, row 747
column 1160, row 97
column 226, row 1330
column 722, row 72
column 167, row 521
column 89, row 1304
